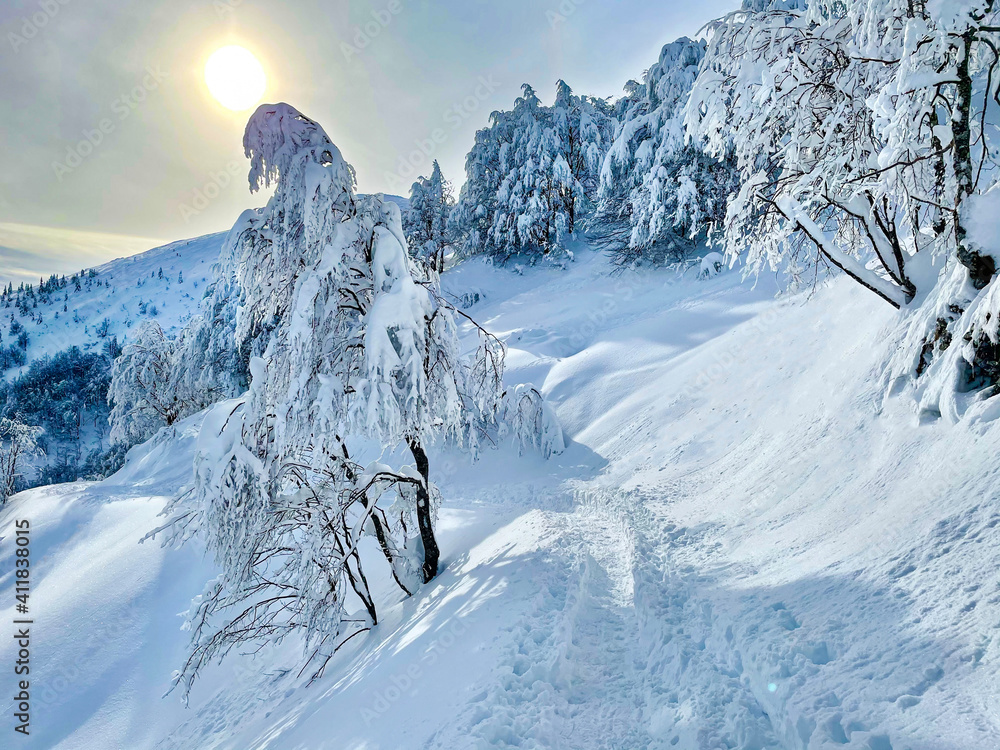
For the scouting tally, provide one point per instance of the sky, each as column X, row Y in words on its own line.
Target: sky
column 113, row 144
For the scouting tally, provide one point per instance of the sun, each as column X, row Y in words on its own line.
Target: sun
column 235, row 78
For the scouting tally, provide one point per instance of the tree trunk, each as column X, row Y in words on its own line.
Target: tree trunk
column 431, row 551
column 982, row 268
column 380, row 532
column 940, row 176
column 358, row 580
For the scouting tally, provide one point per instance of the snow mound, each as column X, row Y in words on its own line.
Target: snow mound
column 711, row 265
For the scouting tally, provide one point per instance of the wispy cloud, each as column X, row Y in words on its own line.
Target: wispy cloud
column 29, row 252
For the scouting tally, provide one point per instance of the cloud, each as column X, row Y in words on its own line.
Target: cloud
column 28, row 252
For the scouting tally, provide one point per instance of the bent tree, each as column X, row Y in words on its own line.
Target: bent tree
column 354, row 365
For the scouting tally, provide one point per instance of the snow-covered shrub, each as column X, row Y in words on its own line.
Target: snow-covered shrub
column 529, row 420
column 711, row 265
column 18, row 443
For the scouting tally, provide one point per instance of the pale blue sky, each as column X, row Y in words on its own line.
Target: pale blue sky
column 67, row 67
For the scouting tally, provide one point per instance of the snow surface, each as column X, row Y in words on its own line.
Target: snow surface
column 743, row 546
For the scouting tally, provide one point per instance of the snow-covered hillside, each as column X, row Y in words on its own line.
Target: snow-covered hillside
column 165, row 284
column 744, row 546
column 124, row 292
column 59, row 337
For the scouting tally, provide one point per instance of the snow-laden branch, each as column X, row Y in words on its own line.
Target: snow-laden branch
column 827, row 245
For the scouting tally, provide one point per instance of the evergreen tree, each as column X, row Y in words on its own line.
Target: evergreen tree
column 660, row 192
column 532, row 174
column 426, row 222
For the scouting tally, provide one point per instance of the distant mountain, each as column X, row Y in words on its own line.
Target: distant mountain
column 164, row 284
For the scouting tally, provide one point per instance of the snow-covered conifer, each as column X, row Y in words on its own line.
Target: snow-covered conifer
column 426, row 222
column 660, row 192
column 532, row 175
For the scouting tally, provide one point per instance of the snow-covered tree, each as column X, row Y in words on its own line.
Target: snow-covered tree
column 532, row 174
column 946, row 83
column 530, row 421
column 418, row 220
column 659, row 191
column 526, row 205
column 426, row 222
column 18, row 443
column 787, row 92
column 583, row 128
column 143, row 393
column 211, row 361
column 852, row 125
column 354, row 364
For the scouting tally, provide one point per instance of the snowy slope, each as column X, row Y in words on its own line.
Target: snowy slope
column 117, row 291
column 745, row 546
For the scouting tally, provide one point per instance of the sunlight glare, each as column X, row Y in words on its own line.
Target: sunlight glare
column 235, row 78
